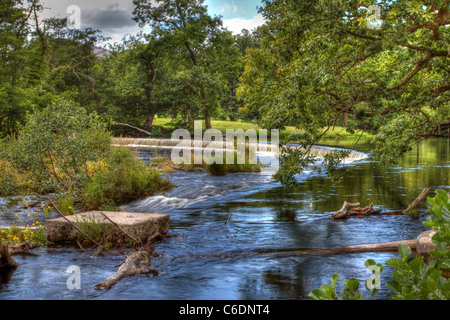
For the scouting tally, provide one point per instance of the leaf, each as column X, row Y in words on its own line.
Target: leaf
column 445, row 265
column 445, row 213
column 316, row 294
column 442, row 196
column 396, row 263
column 333, row 280
column 416, row 265
column 394, row 286
column 352, row 284
column 370, row 262
column 404, row 251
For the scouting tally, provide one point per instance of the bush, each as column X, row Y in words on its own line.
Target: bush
column 55, row 145
column 9, row 185
column 123, row 178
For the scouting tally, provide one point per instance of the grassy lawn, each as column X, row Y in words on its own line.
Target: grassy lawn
column 335, row 136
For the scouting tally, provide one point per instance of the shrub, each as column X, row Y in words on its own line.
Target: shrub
column 55, row 146
column 123, row 178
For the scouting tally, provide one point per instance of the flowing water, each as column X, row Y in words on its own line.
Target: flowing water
column 224, row 227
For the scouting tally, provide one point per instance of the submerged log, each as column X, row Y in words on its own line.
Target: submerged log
column 374, row 247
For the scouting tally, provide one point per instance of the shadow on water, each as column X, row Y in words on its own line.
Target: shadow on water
column 213, row 258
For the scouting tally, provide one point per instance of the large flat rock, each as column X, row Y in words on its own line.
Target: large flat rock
column 139, row 225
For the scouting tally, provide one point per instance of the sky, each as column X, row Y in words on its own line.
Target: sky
column 114, row 17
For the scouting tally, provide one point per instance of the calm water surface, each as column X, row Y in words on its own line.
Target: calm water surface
column 212, row 257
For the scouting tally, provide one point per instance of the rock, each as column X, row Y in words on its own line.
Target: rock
column 139, row 225
column 425, row 244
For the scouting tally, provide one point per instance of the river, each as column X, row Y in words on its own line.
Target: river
column 220, row 225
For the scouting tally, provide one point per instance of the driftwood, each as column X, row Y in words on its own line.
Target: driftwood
column 418, row 200
column 348, row 209
column 344, row 212
column 135, row 264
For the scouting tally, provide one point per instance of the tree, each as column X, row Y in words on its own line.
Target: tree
column 321, row 63
column 56, row 145
column 189, row 27
column 15, row 99
column 231, row 104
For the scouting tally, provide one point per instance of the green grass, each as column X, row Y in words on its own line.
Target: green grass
column 337, row 136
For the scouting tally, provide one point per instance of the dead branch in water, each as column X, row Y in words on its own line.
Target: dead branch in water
column 348, row 209
column 135, row 264
column 418, row 200
column 344, row 212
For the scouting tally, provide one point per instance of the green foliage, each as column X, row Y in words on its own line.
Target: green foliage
column 416, row 279
column 56, row 144
column 320, row 64
column 123, row 179
column 350, row 291
column 9, row 184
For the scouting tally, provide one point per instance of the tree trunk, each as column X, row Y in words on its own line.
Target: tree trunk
column 345, row 119
column 151, row 78
column 374, row 247
column 6, row 261
column 202, row 90
column 149, row 122
column 208, row 121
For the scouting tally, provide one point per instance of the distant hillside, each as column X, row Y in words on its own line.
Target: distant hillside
column 100, row 52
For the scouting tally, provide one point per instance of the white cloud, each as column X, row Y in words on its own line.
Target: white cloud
column 236, row 25
column 230, row 9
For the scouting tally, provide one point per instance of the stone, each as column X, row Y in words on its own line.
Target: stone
column 138, row 225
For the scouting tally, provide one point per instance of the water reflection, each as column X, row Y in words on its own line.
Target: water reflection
column 213, row 258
